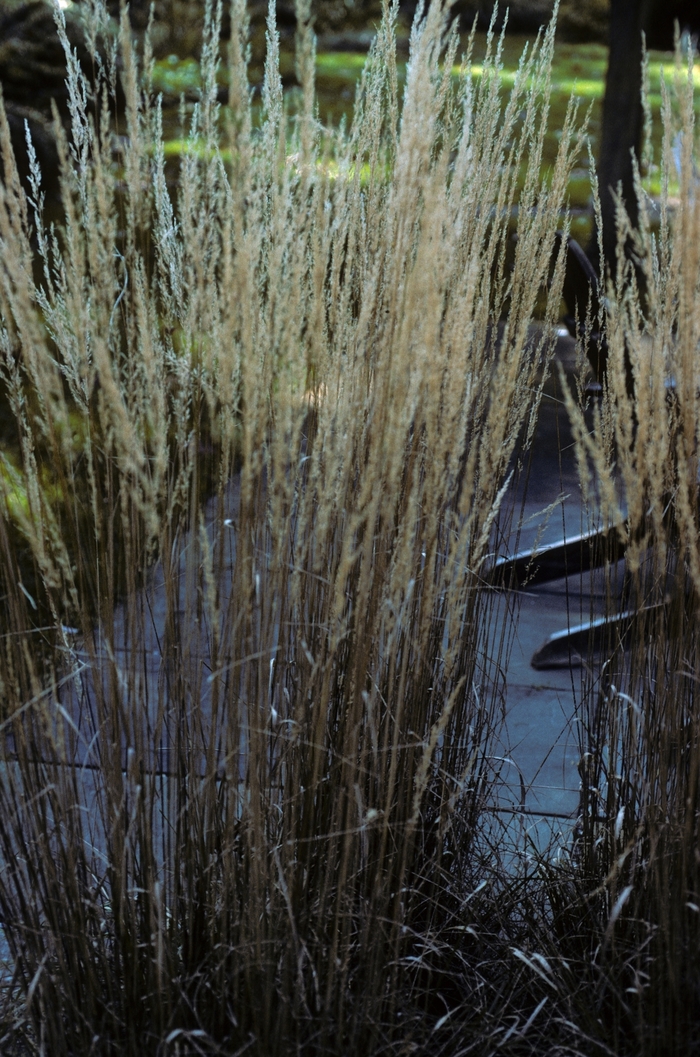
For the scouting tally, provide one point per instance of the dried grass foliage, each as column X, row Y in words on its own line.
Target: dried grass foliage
column 633, row 899
column 264, row 422
column 277, row 391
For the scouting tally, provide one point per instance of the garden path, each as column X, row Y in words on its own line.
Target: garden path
column 539, row 744
column 540, row 740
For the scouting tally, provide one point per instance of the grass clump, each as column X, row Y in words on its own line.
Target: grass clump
column 263, row 427
column 625, row 907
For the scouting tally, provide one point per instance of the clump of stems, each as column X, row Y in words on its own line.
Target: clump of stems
column 264, row 419
column 627, row 911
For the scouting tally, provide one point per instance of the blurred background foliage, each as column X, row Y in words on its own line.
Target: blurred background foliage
column 32, row 67
column 349, row 23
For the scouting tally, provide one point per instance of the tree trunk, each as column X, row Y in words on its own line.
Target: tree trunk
column 622, row 119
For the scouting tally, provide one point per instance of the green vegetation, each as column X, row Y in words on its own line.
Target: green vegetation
column 174, row 76
column 577, row 69
column 265, row 417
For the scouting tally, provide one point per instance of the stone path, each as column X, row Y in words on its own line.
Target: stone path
column 541, row 735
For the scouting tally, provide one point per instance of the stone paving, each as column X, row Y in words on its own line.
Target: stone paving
column 541, row 735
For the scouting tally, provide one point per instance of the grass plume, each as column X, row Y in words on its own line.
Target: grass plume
column 261, row 425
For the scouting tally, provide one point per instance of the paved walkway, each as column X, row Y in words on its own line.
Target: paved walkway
column 542, row 732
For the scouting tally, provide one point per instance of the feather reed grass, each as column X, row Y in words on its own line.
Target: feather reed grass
column 626, row 909
column 248, row 661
